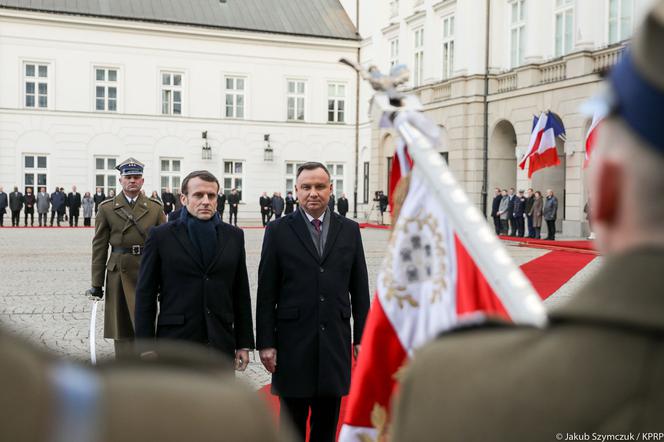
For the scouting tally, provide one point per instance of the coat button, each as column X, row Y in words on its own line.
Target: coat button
column 322, row 327
column 208, row 311
column 322, row 270
column 322, row 298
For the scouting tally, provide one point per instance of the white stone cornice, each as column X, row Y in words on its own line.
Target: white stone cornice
column 443, row 5
column 414, row 18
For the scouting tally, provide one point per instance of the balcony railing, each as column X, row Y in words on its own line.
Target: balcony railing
column 551, row 72
column 606, row 58
column 507, row 82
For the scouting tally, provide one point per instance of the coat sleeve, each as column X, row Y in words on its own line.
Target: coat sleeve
column 147, row 288
column 99, row 248
column 269, row 281
column 244, row 330
column 359, row 289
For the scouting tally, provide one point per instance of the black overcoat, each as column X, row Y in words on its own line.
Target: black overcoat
column 204, row 305
column 305, row 303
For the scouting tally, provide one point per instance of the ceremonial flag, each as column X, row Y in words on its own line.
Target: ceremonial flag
column 428, row 283
column 542, row 150
column 591, row 136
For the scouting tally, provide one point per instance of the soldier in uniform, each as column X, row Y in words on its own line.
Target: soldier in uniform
column 123, row 223
column 597, row 370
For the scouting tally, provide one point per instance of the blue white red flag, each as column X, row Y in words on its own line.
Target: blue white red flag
column 542, row 150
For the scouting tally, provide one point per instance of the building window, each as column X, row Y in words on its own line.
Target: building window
column 336, row 178
column 419, row 57
column 106, row 177
column 34, row 172
column 517, row 32
column 233, row 177
column 394, row 52
column 291, row 175
column 36, row 85
column 564, row 27
column 448, row 46
column 621, row 13
column 171, row 93
column 394, row 9
column 106, row 89
column 170, row 173
column 365, row 183
column 336, row 102
column 235, row 87
column 296, row 94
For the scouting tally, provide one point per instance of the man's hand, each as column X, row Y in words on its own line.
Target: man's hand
column 269, row 359
column 95, row 293
column 241, row 359
column 356, row 350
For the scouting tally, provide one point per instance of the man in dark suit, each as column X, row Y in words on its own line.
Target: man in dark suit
column 57, row 205
column 290, row 203
column 4, row 202
column 519, row 212
column 168, row 200
column 277, row 205
column 312, row 270
column 74, row 203
column 265, row 203
column 98, row 198
column 597, row 368
column 233, row 203
column 195, row 267
column 530, row 201
column 16, row 205
column 342, row 205
column 221, row 203
column 495, row 207
column 331, row 203
column 510, row 212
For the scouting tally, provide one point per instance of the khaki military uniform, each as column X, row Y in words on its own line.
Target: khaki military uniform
column 45, row 399
column 114, row 227
column 598, row 367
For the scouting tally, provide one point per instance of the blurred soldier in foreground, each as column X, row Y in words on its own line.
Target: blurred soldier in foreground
column 599, row 366
column 123, row 223
column 179, row 395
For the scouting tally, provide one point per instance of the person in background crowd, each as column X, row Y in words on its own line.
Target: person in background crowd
column 383, row 202
column 178, row 202
column 30, row 202
column 98, row 198
column 57, row 200
column 265, row 204
column 550, row 213
column 277, row 205
column 342, row 205
column 4, row 202
column 221, row 203
column 168, row 199
column 16, row 205
column 88, row 206
column 74, row 203
column 233, row 203
column 111, row 195
column 530, row 200
column 43, row 204
column 155, row 196
column 587, row 211
column 290, row 203
column 536, row 212
column 519, row 212
column 332, row 202
column 510, row 212
column 503, row 212
column 63, row 210
column 495, row 206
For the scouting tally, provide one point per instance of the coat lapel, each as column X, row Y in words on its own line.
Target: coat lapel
column 141, row 207
column 222, row 240
column 180, row 230
column 298, row 224
column 332, row 233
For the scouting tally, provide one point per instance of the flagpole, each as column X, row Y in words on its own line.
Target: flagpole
column 512, row 287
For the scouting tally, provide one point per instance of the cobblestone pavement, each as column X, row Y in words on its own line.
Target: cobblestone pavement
column 44, row 273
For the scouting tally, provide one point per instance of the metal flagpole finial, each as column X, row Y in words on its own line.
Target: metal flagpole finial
column 399, row 74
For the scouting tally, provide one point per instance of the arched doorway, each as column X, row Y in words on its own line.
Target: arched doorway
column 554, row 178
column 502, row 159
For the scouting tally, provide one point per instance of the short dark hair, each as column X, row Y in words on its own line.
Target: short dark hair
column 312, row 165
column 203, row 175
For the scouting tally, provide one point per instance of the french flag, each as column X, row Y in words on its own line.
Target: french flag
column 542, row 150
column 591, row 136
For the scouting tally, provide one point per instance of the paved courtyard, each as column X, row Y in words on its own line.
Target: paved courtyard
column 44, row 273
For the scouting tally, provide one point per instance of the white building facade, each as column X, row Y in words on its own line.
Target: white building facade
column 81, row 92
column 543, row 55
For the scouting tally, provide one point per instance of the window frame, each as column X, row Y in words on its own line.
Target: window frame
column 562, row 8
column 234, row 94
column 174, row 177
column 172, row 89
column 106, row 84
column 233, row 176
column 418, row 56
column 107, row 172
column 394, row 52
column 296, row 96
column 35, row 79
column 516, row 45
column 448, row 46
column 35, row 171
column 336, row 177
column 336, row 100
column 621, row 34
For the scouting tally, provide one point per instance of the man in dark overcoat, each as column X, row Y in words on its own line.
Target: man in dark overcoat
column 16, row 205
column 312, row 278
column 596, row 372
column 74, row 204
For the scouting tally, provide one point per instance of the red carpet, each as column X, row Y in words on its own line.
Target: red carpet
column 547, row 274
column 374, row 226
column 582, row 246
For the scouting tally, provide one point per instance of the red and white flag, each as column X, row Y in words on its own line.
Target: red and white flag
column 591, row 136
column 428, row 283
column 542, row 151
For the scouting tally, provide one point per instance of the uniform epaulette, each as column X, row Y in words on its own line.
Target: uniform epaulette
column 156, row 201
column 106, row 201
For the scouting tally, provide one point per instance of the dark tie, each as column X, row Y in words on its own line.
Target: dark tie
column 132, row 203
column 316, row 223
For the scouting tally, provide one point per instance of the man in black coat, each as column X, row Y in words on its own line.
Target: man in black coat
column 519, row 212
column 74, row 203
column 495, row 206
column 15, row 205
column 510, row 212
column 98, row 198
column 168, row 199
column 221, row 203
column 265, row 203
column 342, row 205
column 277, row 205
column 233, row 203
column 195, row 267
column 530, row 200
column 290, row 203
column 312, row 271
column 57, row 205
column 331, row 203
column 4, row 202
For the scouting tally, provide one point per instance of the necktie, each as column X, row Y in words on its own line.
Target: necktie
column 132, row 203
column 316, row 223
